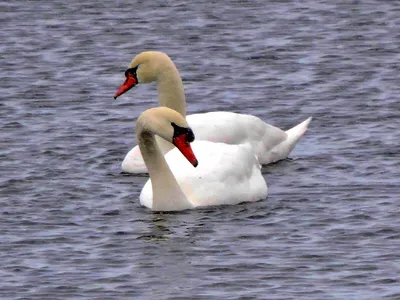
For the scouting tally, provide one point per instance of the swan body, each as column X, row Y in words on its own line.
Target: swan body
column 225, row 174
column 268, row 143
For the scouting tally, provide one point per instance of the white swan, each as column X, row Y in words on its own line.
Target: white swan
column 226, row 174
column 267, row 142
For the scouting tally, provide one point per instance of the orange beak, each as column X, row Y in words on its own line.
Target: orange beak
column 129, row 83
column 184, row 146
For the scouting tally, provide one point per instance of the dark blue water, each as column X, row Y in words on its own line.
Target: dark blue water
column 71, row 223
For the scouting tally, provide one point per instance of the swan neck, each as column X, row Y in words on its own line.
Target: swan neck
column 167, row 195
column 170, row 91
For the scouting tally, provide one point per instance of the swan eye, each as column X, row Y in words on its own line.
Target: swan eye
column 189, row 135
column 188, row 132
column 131, row 71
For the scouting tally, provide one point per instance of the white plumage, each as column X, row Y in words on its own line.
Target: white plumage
column 226, row 174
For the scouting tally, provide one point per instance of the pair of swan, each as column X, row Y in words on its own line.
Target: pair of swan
column 230, row 147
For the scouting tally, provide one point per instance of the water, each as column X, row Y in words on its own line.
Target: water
column 71, row 223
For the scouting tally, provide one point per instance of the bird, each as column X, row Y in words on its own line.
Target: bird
column 194, row 173
column 267, row 142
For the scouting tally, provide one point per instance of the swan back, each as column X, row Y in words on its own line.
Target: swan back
column 227, row 174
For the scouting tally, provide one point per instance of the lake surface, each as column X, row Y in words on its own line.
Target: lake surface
column 71, row 223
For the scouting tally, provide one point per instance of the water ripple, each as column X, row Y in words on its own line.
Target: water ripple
column 71, row 222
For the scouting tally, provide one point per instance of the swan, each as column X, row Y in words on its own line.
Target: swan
column 267, row 142
column 225, row 174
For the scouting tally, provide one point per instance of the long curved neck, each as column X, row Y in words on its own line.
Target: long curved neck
column 167, row 195
column 170, row 90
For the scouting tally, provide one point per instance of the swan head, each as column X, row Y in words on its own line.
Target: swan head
column 145, row 67
column 171, row 126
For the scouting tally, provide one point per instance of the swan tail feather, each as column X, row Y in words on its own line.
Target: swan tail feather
column 283, row 149
column 298, row 131
column 295, row 133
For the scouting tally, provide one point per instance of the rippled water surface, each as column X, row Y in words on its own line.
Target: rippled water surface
column 71, row 223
